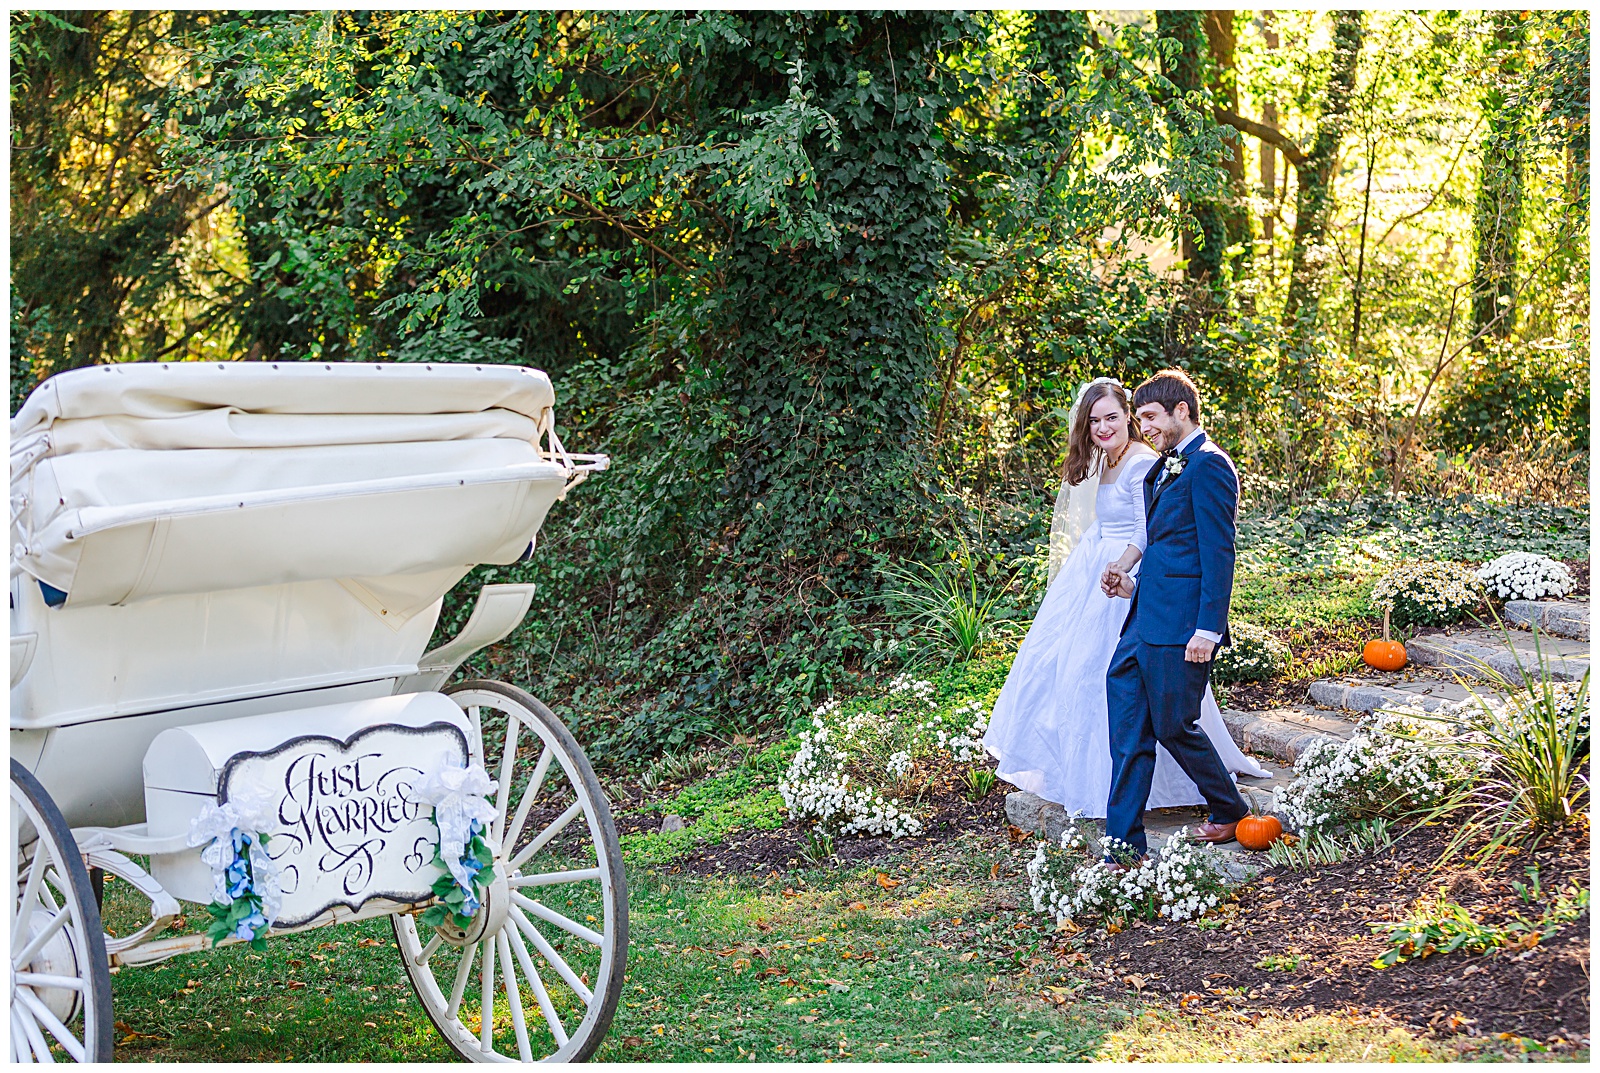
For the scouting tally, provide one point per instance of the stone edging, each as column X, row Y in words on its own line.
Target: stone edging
column 1281, row 741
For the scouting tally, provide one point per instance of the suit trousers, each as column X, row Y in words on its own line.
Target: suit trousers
column 1153, row 695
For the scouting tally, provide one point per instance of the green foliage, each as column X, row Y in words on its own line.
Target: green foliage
column 1346, row 534
column 1499, row 395
column 1254, row 655
column 1440, row 926
column 952, row 608
column 107, row 264
column 1318, row 847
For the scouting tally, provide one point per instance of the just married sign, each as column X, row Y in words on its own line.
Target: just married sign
column 348, row 826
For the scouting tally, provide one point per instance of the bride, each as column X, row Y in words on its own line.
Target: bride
column 1049, row 732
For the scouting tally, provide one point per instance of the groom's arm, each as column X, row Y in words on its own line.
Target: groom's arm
column 1216, row 502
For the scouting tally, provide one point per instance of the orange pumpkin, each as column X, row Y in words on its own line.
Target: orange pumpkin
column 1258, row 832
column 1384, row 655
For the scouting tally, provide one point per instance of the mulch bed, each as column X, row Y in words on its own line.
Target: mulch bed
column 1322, row 916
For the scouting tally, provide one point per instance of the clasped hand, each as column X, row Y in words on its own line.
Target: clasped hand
column 1116, row 582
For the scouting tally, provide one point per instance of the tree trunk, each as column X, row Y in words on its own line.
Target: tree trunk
column 1220, row 42
column 1269, row 155
column 1497, row 216
column 1204, row 241
column 1314, row 180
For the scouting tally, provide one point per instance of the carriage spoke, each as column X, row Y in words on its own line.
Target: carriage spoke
column 534, row 782
column 37, row 942
column 30, row 898
column 459, row 987
column 555, row 828
column 27, row 1041
column 40, row 979
column 63, row 1035
column 486, row 1025
column 428, row 951
column 508, row 756
column 550, row 879
column 549, row 953
column 550, row 916
column 508, row 974
column 545, row 1005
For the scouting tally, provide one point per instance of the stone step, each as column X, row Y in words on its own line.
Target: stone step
column 1036, row 815
column 1563, row 618
column 1469, row 652
column 1392, row 691
column 1284, row 733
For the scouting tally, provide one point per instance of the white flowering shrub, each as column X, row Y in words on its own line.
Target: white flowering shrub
column 1254, row 655
column 857, row 765
column 1394, row 762
column 1428, row 594
column 1068, row 882
column 1523, row 575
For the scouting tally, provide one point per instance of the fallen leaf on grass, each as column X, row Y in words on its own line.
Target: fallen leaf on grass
column 994, row 870
column 1016, row 834
column 968, row 956
column 760, row 925
column 808, row 1018
column 370, row 942
column 788, row 892
column 633, row 1041
column 886, row 883
column 296, row 985
column 858, row 905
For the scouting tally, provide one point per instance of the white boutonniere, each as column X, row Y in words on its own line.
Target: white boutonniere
column 1174, row 466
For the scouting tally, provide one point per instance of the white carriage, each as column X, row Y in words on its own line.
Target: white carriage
column 223, row 580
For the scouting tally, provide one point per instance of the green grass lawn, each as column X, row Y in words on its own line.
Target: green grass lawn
column 946, row 965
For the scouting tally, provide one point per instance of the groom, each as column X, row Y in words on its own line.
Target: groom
column 1179, row 616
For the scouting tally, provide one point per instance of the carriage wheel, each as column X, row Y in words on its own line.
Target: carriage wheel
column 61, row 982
column 538, row 974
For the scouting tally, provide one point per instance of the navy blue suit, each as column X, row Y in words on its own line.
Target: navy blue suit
column 1185, row 583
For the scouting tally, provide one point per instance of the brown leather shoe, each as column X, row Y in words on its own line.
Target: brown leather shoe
column 1216, row 833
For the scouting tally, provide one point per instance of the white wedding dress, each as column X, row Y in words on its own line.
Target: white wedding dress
column 1049, row 731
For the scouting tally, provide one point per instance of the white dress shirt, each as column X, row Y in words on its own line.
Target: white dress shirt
column 1214, row 638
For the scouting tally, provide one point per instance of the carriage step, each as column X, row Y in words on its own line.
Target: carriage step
column 1563, row 618
column 1484, row 653
column 1284, row 733
column 1369, row 695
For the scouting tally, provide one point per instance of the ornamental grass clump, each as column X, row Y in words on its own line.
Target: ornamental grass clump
column 1394, row 764
column 1070, row 882
column 1428, row 594
column 1254, row 655
column 858, row 765
column 1524, row 575
column 1532, row 750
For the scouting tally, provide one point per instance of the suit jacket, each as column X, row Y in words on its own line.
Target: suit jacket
column 1186, row 575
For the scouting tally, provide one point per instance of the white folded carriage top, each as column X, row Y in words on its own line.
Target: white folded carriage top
column 135, row 481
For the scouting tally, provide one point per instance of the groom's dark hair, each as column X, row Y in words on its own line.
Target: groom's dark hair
column 1169, row 387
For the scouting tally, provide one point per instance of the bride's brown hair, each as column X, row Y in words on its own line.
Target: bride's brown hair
column 1081, row 450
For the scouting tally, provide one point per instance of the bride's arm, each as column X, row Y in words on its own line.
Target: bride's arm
column 1137, row 468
